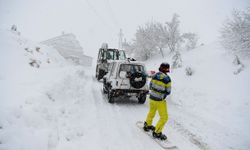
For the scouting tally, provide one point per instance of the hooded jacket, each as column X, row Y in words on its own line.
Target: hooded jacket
column 160, row 86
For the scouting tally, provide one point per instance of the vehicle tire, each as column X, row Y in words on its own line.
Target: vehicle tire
column 100, row 74
column 96, row 72
column 104, row 88
column 137, row 84
column 142, row 98
column 110, row 97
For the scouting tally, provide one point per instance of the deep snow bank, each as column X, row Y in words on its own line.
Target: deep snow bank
column 24, row 63
column 27, row 72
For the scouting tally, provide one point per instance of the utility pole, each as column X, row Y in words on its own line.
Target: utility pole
column 120, row 36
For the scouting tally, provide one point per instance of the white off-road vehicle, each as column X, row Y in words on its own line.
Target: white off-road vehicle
column 126, row 78
column 105, row 55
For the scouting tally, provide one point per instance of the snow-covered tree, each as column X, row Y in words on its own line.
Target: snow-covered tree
column 161, row 37
column 235, row 33
column 176, row 60
column 155, row 37
column 129, row 47
column 174, row 35
column 145, row 42
column 190, row 40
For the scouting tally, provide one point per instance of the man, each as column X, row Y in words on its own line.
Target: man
column 160, row 87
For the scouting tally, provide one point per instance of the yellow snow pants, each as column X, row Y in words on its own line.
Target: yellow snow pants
column 161, row 107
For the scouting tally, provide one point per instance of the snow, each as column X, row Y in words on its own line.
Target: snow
column 213, row 102
column 59, row 106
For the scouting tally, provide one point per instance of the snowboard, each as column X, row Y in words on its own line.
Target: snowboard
column 165, row 144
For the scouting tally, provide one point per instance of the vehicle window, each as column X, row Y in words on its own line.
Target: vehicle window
column 122, row 55
column 116, row 56
column 104, row 54
column 110, row 55
column 131, row 68
column 138, row 68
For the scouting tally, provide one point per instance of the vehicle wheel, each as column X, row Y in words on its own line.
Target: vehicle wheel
column 96, row 72
column 110, row 97
column 137, row 84
column 104, row 89
column 100, row 74
column 142, row 98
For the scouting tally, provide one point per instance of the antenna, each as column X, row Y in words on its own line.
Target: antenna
column 120, row 35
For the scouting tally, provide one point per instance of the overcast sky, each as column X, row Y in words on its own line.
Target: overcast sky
column 98, row 21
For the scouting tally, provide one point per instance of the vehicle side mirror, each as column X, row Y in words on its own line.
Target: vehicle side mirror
column 123, row 74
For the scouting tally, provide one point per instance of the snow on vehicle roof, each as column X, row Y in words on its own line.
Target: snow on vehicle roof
column 126, row 62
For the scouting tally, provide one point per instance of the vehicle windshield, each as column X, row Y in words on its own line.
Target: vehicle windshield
column 131, row 68
column 122, row 55
column 110, row 55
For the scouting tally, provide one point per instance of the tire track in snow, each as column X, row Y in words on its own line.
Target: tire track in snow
column 118, row 122
column 108, row 117
column 194, row 139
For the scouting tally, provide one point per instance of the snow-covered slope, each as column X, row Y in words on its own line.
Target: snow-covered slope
column 56, row 106
column 26, row 71
column 23, row 62
column 213, row 103
column 67, row 45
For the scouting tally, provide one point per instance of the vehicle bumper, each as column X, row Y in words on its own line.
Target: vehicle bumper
column 128, row 92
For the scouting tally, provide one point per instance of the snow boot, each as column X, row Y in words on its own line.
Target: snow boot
column 147, row 128
column 159, row 136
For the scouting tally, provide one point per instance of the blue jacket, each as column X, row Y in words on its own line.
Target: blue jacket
column 160, row 86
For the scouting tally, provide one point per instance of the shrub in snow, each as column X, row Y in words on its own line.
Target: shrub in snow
column 189, row 71
column 239, row 69
column 13, row 28
column 236, row 60
column 50, row 97
column 177, row 61
column 238, row 64
column 28, row 50
column 38, row 49
column 34, row 63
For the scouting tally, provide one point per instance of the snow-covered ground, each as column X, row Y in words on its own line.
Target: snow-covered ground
column 59, row 106
column 212, row 105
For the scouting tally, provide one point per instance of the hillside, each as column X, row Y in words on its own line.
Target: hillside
column 52, row 105
column 212, row 103
column 27, row 72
